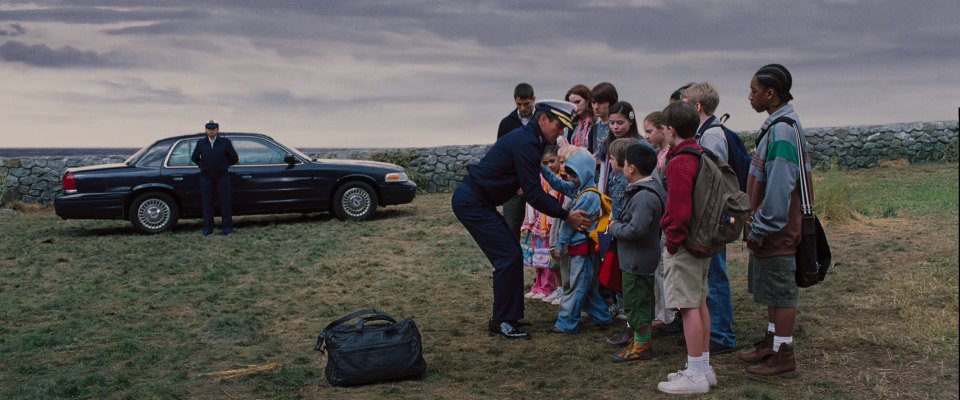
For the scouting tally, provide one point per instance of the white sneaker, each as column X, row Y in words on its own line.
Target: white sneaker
column 537, row 296
column 685, row 383
column 529, row 295
column 557, row 300
column 553, row 296
column 711, row 376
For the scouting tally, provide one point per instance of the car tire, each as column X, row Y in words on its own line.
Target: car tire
column 154, row 212
column 355, row 201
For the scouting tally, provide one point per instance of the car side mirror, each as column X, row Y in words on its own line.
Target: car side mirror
column 289, row 159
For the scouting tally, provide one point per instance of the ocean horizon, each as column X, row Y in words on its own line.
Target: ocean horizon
column 107, row 151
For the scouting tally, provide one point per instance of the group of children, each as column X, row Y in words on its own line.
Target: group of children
column 661, row 279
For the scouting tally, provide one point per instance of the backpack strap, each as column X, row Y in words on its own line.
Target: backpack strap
column 806, row 205
column 703, row 129
column 589, row 189
column 763, row 132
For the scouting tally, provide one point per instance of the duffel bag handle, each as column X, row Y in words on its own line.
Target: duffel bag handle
column 367, row 311
column 374, row 315
column 363, row 321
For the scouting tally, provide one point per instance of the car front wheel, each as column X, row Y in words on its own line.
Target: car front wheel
column 154, row 212
column 355, row 201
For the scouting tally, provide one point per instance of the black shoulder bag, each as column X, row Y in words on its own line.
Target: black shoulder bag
column 813, row 252
column 376, row 348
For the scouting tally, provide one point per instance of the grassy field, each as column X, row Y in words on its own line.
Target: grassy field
column 91, row 309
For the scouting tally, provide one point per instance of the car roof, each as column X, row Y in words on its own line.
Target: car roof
column 226, row 134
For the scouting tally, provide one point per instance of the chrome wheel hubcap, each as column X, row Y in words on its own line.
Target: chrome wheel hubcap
column 153, row 214
column 355, row 202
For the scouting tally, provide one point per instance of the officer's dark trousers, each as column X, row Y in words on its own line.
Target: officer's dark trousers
column 208, row 188
column 513, row 212
column 491, row 233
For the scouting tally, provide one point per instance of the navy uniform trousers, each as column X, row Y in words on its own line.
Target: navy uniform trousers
column 221, row 188
column 492, row 234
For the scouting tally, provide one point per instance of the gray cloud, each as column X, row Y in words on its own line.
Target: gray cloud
column 649, row 27
column 134, row 90
column 446, row 63
column 15, row 30
column 98, row 15
column 41, row 55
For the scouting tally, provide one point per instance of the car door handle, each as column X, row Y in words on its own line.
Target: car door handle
column 246, row 176
column 178, row 178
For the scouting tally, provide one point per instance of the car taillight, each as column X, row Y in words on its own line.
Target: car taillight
column 69, row 184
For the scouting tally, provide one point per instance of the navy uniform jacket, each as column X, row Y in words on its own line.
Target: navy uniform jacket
column 214, row 160
column 512, row 163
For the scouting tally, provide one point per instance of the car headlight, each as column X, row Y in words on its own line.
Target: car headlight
column 396, row 177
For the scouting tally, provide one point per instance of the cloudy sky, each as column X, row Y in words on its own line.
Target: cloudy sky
column 400, row 73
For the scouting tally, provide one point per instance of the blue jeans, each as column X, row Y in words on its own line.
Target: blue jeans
column 719, row 302
column 582, row 294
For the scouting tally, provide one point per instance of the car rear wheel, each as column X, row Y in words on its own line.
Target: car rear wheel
column 355, row 201
column 154, row 212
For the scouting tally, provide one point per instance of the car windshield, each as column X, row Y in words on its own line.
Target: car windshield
column 300, row 153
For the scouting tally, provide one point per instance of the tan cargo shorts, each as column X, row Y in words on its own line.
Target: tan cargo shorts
column 685, row 279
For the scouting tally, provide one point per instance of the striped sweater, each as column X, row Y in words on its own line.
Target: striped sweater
column 773, row 189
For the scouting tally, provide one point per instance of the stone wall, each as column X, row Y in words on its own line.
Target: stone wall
column 865, row 146
column 440, row 169
column 434, row 169
column 39, row 179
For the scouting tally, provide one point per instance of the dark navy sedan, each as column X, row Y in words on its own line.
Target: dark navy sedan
column 159, row 184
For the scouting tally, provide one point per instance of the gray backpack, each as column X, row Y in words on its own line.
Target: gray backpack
column 720, row 209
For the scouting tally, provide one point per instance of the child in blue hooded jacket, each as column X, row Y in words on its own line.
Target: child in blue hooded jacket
column 582, row 293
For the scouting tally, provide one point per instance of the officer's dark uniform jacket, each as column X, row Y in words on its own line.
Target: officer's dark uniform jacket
column 214, row 160
column 514, row 162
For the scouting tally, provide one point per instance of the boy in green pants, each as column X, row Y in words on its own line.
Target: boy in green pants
column 637, row 232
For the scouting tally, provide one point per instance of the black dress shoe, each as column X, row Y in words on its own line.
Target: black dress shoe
column 508, row 330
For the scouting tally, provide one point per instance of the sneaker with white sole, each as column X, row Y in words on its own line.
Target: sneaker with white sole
column 685, row 383
column 553, row 296
column 529, row 294
column 557, row 300
column 537, row 296
column 710, row 375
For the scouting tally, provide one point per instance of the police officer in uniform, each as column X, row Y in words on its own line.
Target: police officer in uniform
column 512, row 163
column 214, row 155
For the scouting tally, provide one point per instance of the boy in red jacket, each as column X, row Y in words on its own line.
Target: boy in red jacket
column 685, row 283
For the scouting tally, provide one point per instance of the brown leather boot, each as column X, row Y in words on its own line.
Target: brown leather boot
column 782, row 365
column 762, row 350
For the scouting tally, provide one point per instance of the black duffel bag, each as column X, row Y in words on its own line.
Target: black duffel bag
column 374, row 349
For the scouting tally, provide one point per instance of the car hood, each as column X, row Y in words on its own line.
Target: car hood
column 364, row 163
column 97, row 167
